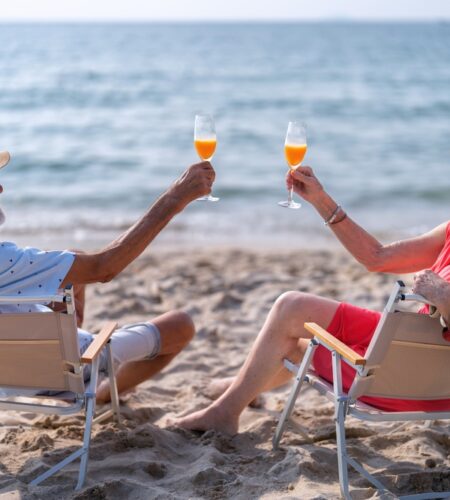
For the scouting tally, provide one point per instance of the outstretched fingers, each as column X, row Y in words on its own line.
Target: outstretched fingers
column 304, row 174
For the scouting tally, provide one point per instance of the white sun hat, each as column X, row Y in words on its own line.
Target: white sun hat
column 4, row 158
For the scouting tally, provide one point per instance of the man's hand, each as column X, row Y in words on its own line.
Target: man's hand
column 305, row 183
column 435, row 289
column 195, row 182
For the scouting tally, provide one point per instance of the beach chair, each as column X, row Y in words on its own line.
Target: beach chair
column 39, row 353
column 407, row 358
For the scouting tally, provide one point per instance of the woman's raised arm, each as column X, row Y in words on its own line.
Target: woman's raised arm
column 404, row 256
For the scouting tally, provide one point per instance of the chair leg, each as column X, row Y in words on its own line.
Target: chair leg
column 86, row 443
column 339, row 417
column 113, row 384
column 73, row 456
column 294, row 393
column 342, row 450
column 83, row 452
column 90, row 411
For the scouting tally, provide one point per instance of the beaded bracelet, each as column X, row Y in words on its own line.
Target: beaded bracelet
column 332, row 217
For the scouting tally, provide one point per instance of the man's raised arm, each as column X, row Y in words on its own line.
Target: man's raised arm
column 103, row 265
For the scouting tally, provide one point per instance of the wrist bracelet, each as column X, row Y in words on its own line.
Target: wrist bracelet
column 332, row 217
column 337, row 221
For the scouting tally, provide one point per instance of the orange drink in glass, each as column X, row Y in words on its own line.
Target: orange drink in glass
column 205, row 142
column 294, row 151
column 205, row 148
column 294, row 154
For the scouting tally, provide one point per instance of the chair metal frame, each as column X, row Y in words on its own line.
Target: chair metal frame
column 86, row 400
column 345, row 405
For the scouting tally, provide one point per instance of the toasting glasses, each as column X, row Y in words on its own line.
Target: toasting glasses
column 205, row 141
column 294, row 151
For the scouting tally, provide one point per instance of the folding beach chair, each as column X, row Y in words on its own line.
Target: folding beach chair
column 407, row 358
column 39, row 353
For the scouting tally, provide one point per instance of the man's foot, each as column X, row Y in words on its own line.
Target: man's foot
column 219, row 385
column 210, row 418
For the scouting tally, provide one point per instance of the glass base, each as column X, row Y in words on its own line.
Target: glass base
column 290, row 204
column 208, row 198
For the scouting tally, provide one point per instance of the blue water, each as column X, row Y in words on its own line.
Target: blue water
column 99, row 120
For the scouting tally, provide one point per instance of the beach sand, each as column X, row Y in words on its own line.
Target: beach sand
column 228, row 293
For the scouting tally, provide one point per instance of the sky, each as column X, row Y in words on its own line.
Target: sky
column 222, row 10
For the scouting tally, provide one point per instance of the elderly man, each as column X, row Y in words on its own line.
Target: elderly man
column 141, row 349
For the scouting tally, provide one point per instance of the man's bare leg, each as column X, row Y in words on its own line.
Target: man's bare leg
column 177, row 330
column 263, row 368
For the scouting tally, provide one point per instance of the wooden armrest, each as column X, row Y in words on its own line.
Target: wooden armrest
column 347, row 352
column 99, row 341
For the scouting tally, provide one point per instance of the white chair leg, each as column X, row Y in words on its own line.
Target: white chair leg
column 86, row 443
column 294, row 393
column 340, row 403
column 339, row 417
column 73, row 456
column 90, row 411
column 113, row 383
column 83, row 452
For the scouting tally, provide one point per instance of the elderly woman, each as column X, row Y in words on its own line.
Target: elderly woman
column 283, row 334
column 143, row 349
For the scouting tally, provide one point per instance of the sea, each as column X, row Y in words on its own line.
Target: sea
column 99, row 121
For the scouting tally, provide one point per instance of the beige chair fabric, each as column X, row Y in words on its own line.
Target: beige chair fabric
column 408, row 358
column 40, row 351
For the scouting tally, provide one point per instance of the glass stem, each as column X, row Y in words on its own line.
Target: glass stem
column 290, row 192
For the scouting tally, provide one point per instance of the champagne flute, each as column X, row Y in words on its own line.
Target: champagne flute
column 205, row 142
column 294, row 152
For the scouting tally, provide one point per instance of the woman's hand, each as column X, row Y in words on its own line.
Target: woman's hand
column 435, row 289
column 305, row 183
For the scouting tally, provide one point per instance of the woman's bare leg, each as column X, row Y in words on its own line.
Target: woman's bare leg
column 218, row 386
column 263, row 368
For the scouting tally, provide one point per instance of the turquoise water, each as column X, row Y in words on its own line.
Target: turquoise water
column 99, row 120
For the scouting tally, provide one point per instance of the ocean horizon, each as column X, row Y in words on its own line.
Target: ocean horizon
column 98, row 118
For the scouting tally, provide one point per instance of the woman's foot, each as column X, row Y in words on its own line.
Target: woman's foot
column 219, row 385
column 211, row 418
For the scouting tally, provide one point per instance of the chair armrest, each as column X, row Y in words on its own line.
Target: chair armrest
column 335, row 345
column 31, row 299
column 99, row 341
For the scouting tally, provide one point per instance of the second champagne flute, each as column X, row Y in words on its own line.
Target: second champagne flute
column 294, row 151
column 205, row 142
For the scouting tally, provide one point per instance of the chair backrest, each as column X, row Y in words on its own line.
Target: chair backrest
column 408, row 358
column 40, row 351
